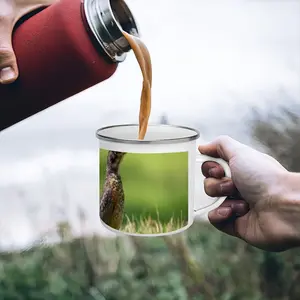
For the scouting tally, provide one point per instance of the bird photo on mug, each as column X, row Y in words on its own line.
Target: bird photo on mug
column 144, row 193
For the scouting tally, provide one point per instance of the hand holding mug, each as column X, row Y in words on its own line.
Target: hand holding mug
column 268, row 195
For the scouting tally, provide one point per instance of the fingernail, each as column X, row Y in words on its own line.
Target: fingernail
column 212, row 172
column 7, row 74
column 224, row 211
column 226, row 187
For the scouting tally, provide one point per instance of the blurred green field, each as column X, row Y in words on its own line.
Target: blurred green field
column 153, row 183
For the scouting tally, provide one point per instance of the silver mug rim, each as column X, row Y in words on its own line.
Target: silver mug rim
column 193, row 137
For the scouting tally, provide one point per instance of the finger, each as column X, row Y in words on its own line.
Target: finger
column 8, row 64
column 227, row 226
column 212, row 169
column 232, row 225
column 219, row 187
column 227, row 209
column 224, row 147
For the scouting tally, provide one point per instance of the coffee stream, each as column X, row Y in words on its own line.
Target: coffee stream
column 143, row 57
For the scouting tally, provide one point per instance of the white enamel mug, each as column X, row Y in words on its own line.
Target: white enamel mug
column 149, row 187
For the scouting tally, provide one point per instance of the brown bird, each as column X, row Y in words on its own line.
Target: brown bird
column 112, row 199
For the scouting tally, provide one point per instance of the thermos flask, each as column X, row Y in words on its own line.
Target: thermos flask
column 62, row 50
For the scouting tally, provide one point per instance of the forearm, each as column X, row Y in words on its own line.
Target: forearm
column 289, row 206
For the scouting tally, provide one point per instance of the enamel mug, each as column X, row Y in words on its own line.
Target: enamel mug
column 155, row 186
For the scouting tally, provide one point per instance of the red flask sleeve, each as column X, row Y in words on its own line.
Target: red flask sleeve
column 56, row 59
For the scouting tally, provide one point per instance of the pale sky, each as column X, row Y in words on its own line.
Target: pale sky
column 212, row 61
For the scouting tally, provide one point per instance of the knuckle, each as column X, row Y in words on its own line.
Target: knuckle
column 227, row 188
column 7, row 56
column 6, row 51
column 6, row 16
column 207, row 165
column 218, row 171
column 223, row 139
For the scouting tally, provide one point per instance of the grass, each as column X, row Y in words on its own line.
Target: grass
column 148, row 225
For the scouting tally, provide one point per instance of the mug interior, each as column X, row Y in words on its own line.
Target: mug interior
column 128, row 133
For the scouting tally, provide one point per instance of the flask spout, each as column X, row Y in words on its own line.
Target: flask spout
column 107, row 19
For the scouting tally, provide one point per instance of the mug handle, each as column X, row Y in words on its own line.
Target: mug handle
column 201, row 159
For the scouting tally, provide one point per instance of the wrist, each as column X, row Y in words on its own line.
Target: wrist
column 288, row 200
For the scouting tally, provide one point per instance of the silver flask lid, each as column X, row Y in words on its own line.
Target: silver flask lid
column 107, row 19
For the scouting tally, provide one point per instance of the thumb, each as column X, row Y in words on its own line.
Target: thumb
column 224, row 147
column 8, row 64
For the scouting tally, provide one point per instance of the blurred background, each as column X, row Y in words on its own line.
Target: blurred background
column 224, row 67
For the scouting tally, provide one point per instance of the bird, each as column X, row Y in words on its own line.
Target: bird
column 113, row 196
